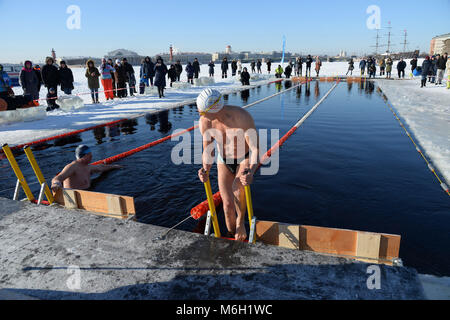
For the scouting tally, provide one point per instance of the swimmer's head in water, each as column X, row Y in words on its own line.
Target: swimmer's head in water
column 209, row 101
column 81, row 151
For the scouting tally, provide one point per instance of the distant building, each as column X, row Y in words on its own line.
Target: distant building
column 78, row 61
column 440, row 44
column 228, row 49
column 185, row 57
column 131, row 56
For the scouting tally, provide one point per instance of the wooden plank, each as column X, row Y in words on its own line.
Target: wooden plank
column 328, row 240
column 288, row 236
column 389, row 246
column 114, row 205
column 267, row 232
column 70, row 199
column 98, row 202
column 368, row 245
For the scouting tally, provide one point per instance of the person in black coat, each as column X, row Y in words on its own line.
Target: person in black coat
column 426, row 67
column 288, row 71
column 441, row 65
column 66, row 78
column 224, row 67
column 172, row 74
column 113, row 77
column 50, row 75
column 269, row 64
column 147, row 71
column 190, row 73
column 258, row 66
column 37, row 70
column 196, row 66
column 211, row 69
column 309, row 61
column 253, row 65
column 160, row 76
column 233, row 67
column 245, row 77
column 131, row 79
column 413, row 64
column 401, row 66
column 29, row 80
column 121, row 78
column 179, row 69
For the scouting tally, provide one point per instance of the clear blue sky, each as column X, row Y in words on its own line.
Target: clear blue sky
column 30, row 29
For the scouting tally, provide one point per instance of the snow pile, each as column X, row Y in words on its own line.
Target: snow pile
column 21, row 115
column 181, row 85
column 151, row 91
column 204, row 81
column 427, row 113
column 69, row 103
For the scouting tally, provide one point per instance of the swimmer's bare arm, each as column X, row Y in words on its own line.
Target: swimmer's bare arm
column 207, row 156
column 100, row 168
column 57, row 182
column 251, row 137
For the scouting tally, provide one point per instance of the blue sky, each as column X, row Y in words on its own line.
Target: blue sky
column 33, row 28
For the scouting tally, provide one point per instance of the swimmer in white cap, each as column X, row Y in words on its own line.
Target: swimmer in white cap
column 77, row 175
column 234, row 131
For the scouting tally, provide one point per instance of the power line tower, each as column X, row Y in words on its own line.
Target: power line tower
column 405, row 42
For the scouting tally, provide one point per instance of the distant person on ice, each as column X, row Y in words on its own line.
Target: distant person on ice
column 389, row 64
column 50, row 74
column 233, row 67
column 288, row 71
column 269, row 64
column 318, row 66
column 29, row 81
column 172, row 74
column 211, row 68
column 106, row 78
column 196, row 66
column 190, row 73
column 160, row 76
column 401, row 66
column 245, row 77
column 237, row 162
column 77, row 175
column 362, row 66
column 121, row 77
column 426, row 66
column 179, row 69
column 147, row 71
column 258, row 66
column 351, row 66
column 413, row 64
column 441, row 65
column 224, row 67
column 131, row 79
column 92, row 74
column 298, row 66
column 278, row 72
column 252, row 65
column 65, row 78
column 309, row 61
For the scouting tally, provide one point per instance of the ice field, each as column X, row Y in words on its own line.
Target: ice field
column 426, row 111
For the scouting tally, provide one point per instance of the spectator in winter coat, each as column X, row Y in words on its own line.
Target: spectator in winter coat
column 298, row 66
column 318, row 65
column 413, row 64
column 279, row 72
column 179, row 69
column 172, row 74
column 371, row 67
column 211, row 69
column 147, row 71
column 309, row 61
column 389, row 64
column 245, row 77
column 233, row 67
column 121, row 78
column 5, row 83
column 258, row 66
column 382, row 64
column 401, row 66
column 432, row 72
column 113, row 77
column 269, row 64
column 160, row 76
column 106, row 78
column 29, row 81
column 440, row 65
column 51, row 100
column 253, row 65
column 351, row 66
column 65, row 78
column 288, row 71
column 92, row 74
column 196, row 66
column 190, row 73
column 239, row 66
column 426, row 66
column 224, row 67
column 50, row 74
column 37, row 71
column 131, row 79
column 448, row 73
column 362, row 66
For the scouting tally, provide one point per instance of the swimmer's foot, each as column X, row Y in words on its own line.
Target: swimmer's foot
column 230, row 235
column 241, row 234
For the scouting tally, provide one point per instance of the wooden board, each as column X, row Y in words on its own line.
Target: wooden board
column 339, row 242
column 109, row 204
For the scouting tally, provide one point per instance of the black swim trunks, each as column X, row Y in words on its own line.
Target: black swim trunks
column 232, row 164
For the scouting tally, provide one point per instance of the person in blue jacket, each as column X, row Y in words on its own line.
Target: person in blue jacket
column 5, row 83
column 426, row 67
column 160, row 76
column 190, row 73
column 362, row 66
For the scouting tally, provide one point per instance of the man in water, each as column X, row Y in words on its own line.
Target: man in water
column 234, row 131
column 77, row 175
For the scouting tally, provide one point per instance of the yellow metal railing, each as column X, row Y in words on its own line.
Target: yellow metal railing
column 39, row 174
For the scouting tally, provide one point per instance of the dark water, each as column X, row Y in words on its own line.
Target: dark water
column 349, row 166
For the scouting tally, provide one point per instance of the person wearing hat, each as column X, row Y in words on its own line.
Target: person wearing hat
column 106, row 78
column 92, row 74
column 50, row 74
column 236, row 164
column 77, row 174
column 66, row 78
column 29, row 81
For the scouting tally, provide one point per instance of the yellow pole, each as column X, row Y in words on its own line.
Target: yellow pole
column 17, row 171
column 212, row 209
column 38, row 173
column 248, row 198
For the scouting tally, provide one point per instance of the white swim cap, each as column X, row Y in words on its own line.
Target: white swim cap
column 209, row 100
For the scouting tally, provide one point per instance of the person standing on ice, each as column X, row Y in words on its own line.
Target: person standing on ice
column 389, row 64
column 65, row 78
column 245, row 77
column 426, row 66
column 121, row 77
column 318, row 66
column 113, row 77
column 233, row 67
column 106, row 79
column 92, row 74
column 351, row 66
column 288, row 71
column 239, row 67
column 172, row 74
column 382, row 66
column 50, row 74
column 298, row 66
column 252, row 65
column 29, row 81
column 258, row 66
column 179, row 69
column 269, row 64
column 147, row 72
column 190, row 73
column 224, row 67
column 211, row 68
column 413, row 64
column 131, row 79
column 5, row 83
column 37, row 71
column 233, row 130
column 160, row 76
column 440, row 65
column 309, row 61
column 362, row 66
column 196, row 66
column 401, row 66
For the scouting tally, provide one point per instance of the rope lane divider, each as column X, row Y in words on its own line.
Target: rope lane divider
column 416, row 145
column 201, row 209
